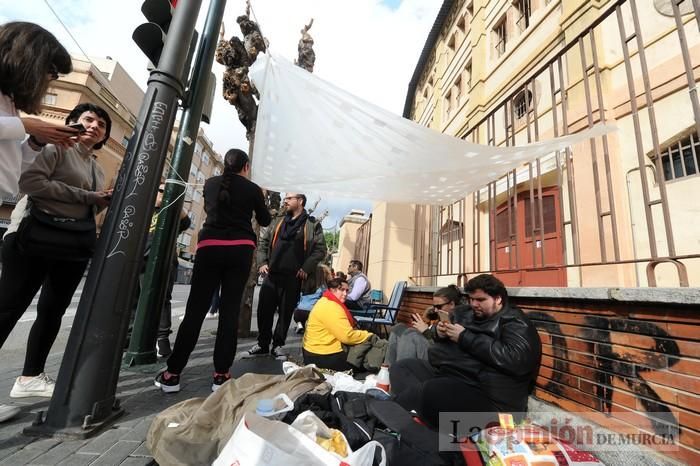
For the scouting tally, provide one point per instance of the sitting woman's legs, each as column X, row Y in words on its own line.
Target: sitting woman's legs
column 406, row 343
column 407, row 377
column 333, row 361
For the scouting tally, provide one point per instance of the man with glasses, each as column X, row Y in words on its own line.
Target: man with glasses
column 288, row 253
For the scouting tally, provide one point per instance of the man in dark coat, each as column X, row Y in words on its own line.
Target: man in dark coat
column 484, row 360
column 288, row 253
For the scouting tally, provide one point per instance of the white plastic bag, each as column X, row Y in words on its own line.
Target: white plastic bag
column 261, row 442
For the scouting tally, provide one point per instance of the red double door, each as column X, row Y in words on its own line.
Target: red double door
column 528, row 259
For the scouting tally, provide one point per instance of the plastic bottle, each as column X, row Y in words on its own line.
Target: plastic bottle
column 274, row 408
column 383, row 378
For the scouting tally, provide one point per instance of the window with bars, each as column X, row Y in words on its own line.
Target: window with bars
column 448, row 103
column 49, row 99
column 522, row 103
column 524, row 11
column 681, row 159
column 467, row 78
column 499, row 37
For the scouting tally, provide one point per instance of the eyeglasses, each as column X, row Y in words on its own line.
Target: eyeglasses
column 440, row 306
column 161, row 190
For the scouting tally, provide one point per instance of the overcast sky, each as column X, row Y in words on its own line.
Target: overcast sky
column 367, row 47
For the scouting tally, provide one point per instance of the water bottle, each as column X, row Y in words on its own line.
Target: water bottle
column 383, row 378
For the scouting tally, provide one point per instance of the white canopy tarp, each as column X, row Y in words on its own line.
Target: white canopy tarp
column 313, row 137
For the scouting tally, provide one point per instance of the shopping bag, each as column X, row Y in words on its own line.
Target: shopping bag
column 260, row 442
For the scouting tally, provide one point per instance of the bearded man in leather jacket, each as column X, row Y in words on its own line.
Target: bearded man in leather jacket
column 485, row 360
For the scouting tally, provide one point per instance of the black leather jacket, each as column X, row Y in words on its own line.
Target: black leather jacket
column 501, row 355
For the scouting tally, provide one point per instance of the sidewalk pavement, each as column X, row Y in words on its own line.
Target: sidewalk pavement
column 124, row 442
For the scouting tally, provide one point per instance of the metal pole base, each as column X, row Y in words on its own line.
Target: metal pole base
column 133, row 358
column 89, row 429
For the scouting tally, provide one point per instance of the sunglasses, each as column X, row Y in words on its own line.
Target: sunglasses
column 440, row 306
column 161, row 190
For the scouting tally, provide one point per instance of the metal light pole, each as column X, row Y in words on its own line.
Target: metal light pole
column 155, row 282
column 84, row 398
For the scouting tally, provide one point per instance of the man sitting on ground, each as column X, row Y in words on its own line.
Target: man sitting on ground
column 489, row 353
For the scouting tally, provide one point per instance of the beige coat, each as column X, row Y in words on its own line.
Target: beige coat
column 200, row 427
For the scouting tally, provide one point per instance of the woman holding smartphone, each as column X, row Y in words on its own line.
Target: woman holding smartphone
column 30, row 58
column 413, row 342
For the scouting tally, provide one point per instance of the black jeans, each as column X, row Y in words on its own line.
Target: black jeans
column 279, row 292
column 19, row 282
column 166, row 314
column 418, row 385
column 214, row 266
column 334, row 361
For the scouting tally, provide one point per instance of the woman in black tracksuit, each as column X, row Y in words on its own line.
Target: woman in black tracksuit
column 224, row 258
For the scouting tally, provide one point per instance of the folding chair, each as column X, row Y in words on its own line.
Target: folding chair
column 383, row 315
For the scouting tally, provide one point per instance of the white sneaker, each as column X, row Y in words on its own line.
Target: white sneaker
column 7, row 412
column 299, row 328
column 211, row 316
column 41, row 385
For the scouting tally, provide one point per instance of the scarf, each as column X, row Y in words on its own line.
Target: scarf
column 328, row 295
column 291, row 226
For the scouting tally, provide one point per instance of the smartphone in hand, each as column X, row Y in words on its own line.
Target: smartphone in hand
column 444, row 316
column 78, row 126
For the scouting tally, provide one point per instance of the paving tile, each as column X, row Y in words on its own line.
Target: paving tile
column 103, row 442
column 118, row 453
column 23, row 456
column 142, row 450
column 78, row 459
column 131, row 461
column 58, row 453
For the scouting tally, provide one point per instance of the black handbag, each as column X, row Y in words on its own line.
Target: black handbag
column 59, row 238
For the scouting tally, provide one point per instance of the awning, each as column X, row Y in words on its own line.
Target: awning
column 313, row 137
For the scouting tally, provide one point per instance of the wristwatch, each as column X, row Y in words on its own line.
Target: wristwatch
column 34, row 141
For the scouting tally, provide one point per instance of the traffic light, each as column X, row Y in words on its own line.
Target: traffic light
column 150, row 37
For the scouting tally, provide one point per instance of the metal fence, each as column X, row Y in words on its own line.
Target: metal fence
column 509, row 225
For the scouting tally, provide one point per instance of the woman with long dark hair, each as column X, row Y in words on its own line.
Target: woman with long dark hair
column 30, row 58
column 224, row 258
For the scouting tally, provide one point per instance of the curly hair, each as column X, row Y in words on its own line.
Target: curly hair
column 29, row 56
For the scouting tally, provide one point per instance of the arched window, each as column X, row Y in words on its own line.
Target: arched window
column 522, row 103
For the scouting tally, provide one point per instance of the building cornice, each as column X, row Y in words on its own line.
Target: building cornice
column 430, row 43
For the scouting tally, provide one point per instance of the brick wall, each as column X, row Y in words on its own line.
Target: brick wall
column 618, row 362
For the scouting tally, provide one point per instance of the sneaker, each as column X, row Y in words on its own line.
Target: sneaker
column 210, row 315
column 163, row 348
column 7, row 412
column 169, row 383
column 41, row 385
column 256, row 351
column 219, row 380
column 279, row 353
column 299, row 328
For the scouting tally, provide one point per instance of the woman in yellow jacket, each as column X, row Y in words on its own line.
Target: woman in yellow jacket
column 330, row 326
